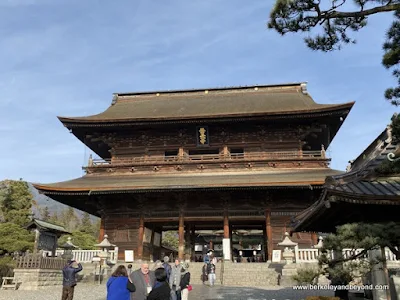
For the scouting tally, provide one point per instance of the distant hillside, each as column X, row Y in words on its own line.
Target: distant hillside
column 42, row 201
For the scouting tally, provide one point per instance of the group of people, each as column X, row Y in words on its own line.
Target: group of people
column 163, row 283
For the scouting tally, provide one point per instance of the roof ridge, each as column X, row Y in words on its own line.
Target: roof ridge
column 302, row 85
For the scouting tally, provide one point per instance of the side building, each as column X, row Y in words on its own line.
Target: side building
column 222, row 159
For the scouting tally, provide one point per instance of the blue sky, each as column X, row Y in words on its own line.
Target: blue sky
column 67, row 57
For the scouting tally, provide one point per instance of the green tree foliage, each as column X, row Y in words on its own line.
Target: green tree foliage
column 391, row 57
column 14, row 238
column 170, row 239
column 80, row 239
column 306, row 276
column 7, row 265
column 86, row 224
column 335, row 24
column 16, row 202
column 355, row 236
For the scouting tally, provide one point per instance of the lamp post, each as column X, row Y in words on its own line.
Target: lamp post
column 68, row 247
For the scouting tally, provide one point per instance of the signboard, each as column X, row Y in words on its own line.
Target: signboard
column 157, row 239
column 47, row 241
column 147, row 235
column 202, row 136
column 198, row 248
column 129, row 257
column 276, row 255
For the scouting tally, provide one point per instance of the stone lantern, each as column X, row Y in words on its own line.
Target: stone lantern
column 105, row 247
column 288, row 253
column 320, row 244
column 68, row 247
column 103, row 258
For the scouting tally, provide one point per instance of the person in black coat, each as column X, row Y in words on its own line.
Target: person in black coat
column 161, row 289
column 185, row 281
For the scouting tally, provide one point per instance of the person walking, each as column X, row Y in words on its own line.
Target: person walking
column 211, row 274
column 69, row 279
column 119, row 285
column 204, row 276
column 167, row 267
column 143, row 280
column 175, row 280
column 185, row 281
column 161, row 290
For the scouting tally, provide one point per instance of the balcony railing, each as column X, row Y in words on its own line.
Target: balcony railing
column 253, row 156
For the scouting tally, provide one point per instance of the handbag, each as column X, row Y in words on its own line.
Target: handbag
column 189, row 287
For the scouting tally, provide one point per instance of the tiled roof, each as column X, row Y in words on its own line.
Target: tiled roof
column 360, row 195
column 208, row 103
column 47, row 225
column 139, row 182
column 381, row 187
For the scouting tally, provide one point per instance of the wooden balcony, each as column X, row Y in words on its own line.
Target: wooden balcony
column 211, row 158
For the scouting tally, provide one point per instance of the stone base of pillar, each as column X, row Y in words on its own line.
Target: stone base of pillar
column 226, row 246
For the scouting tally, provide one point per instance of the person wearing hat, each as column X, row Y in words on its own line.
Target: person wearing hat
column 69, row 279
column 185, row 281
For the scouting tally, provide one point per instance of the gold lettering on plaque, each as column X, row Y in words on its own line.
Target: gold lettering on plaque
column 203, row 137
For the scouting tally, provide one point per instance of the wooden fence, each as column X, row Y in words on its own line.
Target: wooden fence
column 37, row 261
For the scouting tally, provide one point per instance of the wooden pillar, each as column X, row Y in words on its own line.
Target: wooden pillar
column 141, row 234
column 314, row 238
column 193, row 241
column 269, row 233
column 101, row 233
column 181, row 247
column 231, row 239
column 226, row 225
column 211, row 245
column 188, row 242
column 265, row 244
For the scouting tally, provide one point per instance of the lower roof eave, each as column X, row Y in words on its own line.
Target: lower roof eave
column 328, row 214
column 52, row 191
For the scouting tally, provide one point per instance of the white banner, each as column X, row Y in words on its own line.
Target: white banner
column 226, row 245
column 129, row 256
column 276, row 255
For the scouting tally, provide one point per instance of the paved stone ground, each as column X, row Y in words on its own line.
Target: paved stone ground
column 199, row 292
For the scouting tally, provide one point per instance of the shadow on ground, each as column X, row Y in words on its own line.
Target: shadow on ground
column 243, row 293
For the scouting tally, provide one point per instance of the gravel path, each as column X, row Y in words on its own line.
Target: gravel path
column 200, row 292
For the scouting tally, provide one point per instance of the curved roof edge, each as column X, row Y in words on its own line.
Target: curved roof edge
column 97, row 184
column 323, row 110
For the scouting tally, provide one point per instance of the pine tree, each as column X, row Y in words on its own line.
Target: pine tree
column 86, row 224
column 170, row 239
column 16, row 203
column 335, row 24
column 14, row 238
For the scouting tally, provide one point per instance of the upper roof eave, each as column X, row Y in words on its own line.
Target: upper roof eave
column 324, row 110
